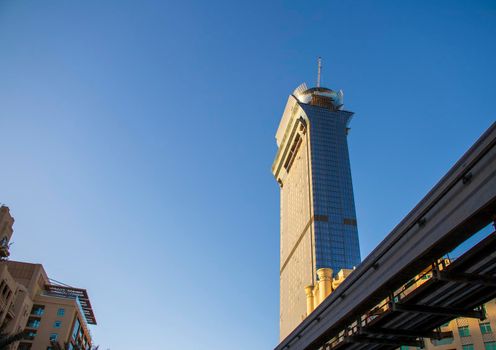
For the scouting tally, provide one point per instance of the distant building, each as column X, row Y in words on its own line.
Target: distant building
column 44, row 310
column 318, row 220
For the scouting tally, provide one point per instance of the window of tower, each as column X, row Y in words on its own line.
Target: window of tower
column 292, row 152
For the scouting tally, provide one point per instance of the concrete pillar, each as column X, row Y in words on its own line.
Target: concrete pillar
column 316, row 299
column 310, row 302
column 325, row 283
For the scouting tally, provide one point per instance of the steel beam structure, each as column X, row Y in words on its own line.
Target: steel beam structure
column 438, row 310
column 405, row 333
column 469, row 278
column 398, row 341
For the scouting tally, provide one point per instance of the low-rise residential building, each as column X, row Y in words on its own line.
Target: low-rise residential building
column 59, row 313
column 45, row 310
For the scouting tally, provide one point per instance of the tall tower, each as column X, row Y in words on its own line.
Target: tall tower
column 318, row 220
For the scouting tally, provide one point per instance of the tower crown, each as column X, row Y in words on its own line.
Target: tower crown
column 319, row 96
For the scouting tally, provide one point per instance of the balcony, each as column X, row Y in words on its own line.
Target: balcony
column 29, row 335
column 38, row 311
column 34, row 324
column 24, row 346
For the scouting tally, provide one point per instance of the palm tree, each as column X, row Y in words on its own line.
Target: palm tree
column 8, row 338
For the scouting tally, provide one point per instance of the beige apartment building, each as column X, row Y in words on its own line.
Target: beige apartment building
column 57, row 312
column 45, row 310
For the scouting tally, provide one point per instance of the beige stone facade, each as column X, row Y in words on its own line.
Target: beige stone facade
column 13, row 303
column 297, row 263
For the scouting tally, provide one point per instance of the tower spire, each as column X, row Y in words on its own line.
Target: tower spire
column 319, row 70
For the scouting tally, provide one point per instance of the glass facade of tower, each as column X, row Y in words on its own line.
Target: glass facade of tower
column 336, row 235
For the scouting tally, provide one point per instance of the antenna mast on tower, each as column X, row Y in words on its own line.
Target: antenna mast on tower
column 319, row 63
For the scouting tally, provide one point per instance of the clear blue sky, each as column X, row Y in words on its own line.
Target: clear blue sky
column 137, row 139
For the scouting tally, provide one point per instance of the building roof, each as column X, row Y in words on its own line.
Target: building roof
column 77, row 293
